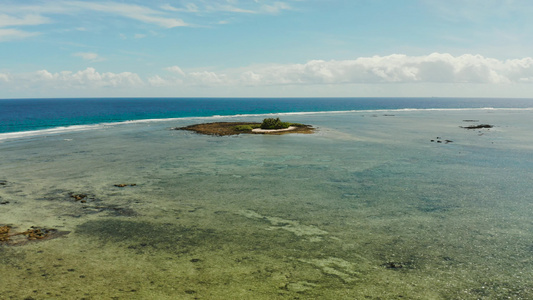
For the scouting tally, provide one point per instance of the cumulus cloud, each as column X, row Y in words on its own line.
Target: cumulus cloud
column 396, row 68
column 207, row 78
column 176, row 69
column 196, row 78
column 88, row 78
column 158, row 81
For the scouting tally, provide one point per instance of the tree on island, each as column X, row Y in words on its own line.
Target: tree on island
column 271, row 123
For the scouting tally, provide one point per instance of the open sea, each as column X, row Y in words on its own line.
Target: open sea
column 390, row 198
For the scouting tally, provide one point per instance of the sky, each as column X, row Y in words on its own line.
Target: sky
column 266, row 48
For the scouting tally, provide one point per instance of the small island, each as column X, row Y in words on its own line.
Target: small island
column 268, row 126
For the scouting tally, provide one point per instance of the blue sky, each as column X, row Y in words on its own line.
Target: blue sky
column 263, row 48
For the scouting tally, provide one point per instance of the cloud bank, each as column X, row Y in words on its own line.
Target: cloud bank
column 80, row 81
column 395, row 69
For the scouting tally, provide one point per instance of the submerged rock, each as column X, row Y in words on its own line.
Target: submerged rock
column 396, row 265
column 124, row 184
column 78, row 197
column 440, row 141
column 393, row 265
column 90, row 204
column 4, row 233
column 32, row 234
column 478, row 126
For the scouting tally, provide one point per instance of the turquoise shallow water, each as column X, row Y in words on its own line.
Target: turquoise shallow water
column 367, row 207
column 22, row 115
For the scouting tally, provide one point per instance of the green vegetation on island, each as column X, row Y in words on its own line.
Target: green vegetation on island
column 247, row 127
column 271, row 123
column 268, row 126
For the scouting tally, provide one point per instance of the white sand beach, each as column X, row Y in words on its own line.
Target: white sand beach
column 259, row 130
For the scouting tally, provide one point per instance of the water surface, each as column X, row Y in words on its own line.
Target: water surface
column 367, row 207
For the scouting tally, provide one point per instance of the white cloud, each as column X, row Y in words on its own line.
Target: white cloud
column 88, row 78
column 136, row 12
column 206, row 78
column 169, row 7
column 15, row 34
column 189, row 7
column 439, row 68
column 157, row 81
column 94, row 57
column 436, row 68
column 4, row 77
column 32, row 19
column 275, row 7
column 396, row 68
column 230, row 8
column 435, row 74
column 197, row 78
column 175, row 69
column 255, row 7
column 19, row 13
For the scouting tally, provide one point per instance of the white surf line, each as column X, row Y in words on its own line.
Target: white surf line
column 63, row 129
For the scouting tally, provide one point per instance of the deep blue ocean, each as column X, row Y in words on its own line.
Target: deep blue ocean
column 18, row 115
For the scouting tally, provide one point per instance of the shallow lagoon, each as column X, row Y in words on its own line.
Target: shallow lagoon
column 367, row 207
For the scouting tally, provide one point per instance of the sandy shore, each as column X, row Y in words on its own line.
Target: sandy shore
column 259, row 130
